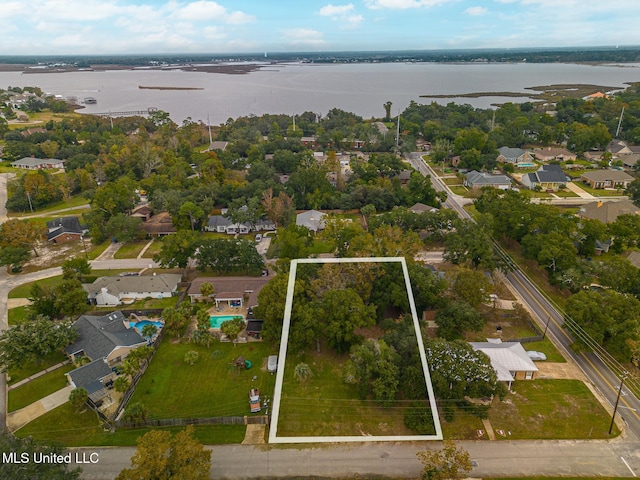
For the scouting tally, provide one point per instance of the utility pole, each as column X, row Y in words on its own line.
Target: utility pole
column 615, row 408
column 544, row 334
column 398, row 133
column 620, row 122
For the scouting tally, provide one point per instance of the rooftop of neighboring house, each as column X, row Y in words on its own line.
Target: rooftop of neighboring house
column 607, row 174
column 88, row 376
column 226, row 285
column 509, row 152
column 34, row 162
column 98, row 336
column 62, row 225
column 553, row 152
column 482, row 178
column 165, row 282
column 608, row 212
column 506, row 357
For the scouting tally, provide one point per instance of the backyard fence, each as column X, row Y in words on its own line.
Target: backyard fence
column 181, row 422
column 136, row 378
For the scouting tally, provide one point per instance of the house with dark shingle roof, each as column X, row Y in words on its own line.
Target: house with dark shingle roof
column 92, row 377
column 108, row 338
column 65, row 229
column 105, row 340
column 547, row 177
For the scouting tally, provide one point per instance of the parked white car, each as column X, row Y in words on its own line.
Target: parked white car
column 272, row 363
column 536, row 356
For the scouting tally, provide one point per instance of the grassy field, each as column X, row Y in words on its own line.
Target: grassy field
column 38, row 388
column 64, row 426
column 28, row 369
column 550, row 409
column 73, row 202
column 326, row 405
column 212, row 387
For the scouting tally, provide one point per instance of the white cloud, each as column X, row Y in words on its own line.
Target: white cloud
column 344, row 15
column 204, row 10
column 352, row 21
column 475, row 11
column 403, row 4
column 304, row 36
column 336, row 10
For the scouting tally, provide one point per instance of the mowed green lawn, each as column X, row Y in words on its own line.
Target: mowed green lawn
column 38, row 388
column 171, row 388
column 326, row 405
column 64, row 426
column 550, row 409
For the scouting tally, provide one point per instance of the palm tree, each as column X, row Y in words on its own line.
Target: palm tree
column 302, row 372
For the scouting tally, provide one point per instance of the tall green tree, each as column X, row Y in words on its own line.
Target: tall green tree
column 161, row 455
column 448, row 463
column 177, row 249
column 372, row 366
column 32, row 340
column 457, row 318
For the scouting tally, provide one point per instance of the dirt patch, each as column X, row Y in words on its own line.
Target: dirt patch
column 254, row 435
column 568, row 370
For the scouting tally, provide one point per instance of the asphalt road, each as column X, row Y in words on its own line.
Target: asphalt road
column 398, row 460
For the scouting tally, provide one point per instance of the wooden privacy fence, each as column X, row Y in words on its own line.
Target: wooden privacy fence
column 180, row 422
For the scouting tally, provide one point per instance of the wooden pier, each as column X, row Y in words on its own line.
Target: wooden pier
column 130, row 113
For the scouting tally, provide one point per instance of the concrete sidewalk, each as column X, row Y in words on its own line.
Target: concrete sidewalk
column 20, row 418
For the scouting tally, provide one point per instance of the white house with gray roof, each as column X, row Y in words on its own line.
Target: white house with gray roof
column 475, row 179
column 31, row 163
column 112, row 291
column 509, row 359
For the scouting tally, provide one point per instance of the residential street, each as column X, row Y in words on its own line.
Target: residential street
column 398, row 460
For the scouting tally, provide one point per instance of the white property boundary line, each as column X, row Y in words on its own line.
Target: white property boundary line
column 273, row 430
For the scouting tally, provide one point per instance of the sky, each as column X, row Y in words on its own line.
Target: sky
column 77, row 27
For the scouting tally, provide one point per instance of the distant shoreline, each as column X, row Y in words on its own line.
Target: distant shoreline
column 143, row 87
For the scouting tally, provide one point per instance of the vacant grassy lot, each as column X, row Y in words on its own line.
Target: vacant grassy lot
column 550, row 409
column 212, row 387
column 326, row 405
column 64, row 426
column 38, row 388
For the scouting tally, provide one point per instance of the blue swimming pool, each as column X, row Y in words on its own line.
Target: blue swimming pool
column 140, row 325
column 216, row 320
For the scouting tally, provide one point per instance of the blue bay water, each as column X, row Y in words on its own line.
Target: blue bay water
column 295, row 88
